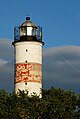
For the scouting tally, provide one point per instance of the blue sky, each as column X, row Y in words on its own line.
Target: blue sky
column 60, row 20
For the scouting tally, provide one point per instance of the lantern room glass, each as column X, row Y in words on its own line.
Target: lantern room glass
column 28, row 31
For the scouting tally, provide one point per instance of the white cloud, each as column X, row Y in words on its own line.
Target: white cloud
column 3, row 62
column 6, row 65
column 61, row 67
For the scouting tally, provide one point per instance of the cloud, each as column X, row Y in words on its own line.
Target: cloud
column 6, row 65
column 3, row 62
column 61, row 67
column 6, row 49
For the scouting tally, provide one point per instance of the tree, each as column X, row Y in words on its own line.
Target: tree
column 54, row 104
column 61, row 103
column 3, row 107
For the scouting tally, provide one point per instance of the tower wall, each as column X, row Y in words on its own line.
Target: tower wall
column 28, row 66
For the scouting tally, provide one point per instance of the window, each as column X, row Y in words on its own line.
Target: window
column 26, row 83
column 26, row 61
column 26, row 50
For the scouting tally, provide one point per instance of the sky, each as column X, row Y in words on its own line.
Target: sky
column 60, row 21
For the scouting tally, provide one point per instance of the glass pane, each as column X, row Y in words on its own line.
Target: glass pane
column 29, row 31
column 23, row 31
column 34, row 32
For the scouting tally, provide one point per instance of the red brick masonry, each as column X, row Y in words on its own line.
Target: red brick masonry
column 30, row 72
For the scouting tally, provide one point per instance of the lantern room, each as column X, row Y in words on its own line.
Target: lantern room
column 27, row 31
column 28, row 28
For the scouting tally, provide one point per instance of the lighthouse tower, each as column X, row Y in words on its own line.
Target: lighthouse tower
column 28, row 57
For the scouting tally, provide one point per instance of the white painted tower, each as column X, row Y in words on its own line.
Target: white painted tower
column 28, row 57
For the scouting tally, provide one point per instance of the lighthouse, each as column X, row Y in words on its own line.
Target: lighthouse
column 28, row 58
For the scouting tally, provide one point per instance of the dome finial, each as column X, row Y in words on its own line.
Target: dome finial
column 28, row 18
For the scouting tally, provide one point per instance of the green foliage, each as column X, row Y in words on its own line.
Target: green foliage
column 54, row 104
